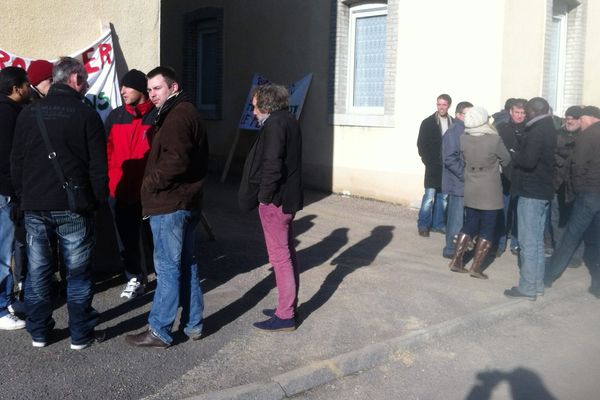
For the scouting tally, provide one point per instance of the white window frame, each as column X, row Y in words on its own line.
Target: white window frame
column 361, row 11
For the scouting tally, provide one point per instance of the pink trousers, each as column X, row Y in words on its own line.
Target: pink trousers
column 277, row 228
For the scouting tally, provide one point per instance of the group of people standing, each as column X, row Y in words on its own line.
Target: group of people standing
column 529, row 179
column 149, row 160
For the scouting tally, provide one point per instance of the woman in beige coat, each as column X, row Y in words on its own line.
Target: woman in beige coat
column 483, row 152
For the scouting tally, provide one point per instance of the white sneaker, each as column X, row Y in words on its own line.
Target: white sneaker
column 10, row 323
column 35, row 343
column 133, row 289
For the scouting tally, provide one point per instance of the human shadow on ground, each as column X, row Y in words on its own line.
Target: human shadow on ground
column 524, row 385
column 221, row 261
column 130, row 324
column 359, row 255
column 309, row 258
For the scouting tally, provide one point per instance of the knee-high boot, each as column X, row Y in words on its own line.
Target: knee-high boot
column 461, row 241
column 481, row 251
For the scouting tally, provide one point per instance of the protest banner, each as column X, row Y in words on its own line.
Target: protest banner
column 297, row 92
column 99, row 60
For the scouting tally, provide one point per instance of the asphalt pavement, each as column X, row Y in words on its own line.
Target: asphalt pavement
column 370, row 288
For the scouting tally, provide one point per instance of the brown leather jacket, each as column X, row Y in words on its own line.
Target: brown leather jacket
column 178, row 160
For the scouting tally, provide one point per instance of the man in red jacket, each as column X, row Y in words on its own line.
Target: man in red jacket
column 129, row 129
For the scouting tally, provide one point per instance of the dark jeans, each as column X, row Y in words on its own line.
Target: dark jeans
column 75, row 234
column 480, row 223
column 585, row 214
column 432, row 214
column 510, row 226
column 128, row 221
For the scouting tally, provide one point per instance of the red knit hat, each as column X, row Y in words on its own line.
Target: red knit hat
column 38, row 71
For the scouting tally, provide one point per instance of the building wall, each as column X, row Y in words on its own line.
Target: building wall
column 48, row 30
column 591, row 81
column 282, row 41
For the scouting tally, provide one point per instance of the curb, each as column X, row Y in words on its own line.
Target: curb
column 316, row 374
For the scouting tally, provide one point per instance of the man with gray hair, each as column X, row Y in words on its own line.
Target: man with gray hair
column 60, row 127
column 272, row 181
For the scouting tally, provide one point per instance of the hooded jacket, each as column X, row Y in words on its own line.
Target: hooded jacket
column 129, row 130
column 178, row 159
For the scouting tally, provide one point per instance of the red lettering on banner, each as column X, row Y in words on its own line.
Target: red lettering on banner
column 87, row 60
column 18, row 62
column 105, row 50
column 4, row 57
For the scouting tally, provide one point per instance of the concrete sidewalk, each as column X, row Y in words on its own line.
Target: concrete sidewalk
column 370, row 288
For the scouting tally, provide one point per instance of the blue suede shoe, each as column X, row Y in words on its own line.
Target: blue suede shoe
column 276, row 324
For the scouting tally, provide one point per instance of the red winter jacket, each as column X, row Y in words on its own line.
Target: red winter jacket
column 128, row 145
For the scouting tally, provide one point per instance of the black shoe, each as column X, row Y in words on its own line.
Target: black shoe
column 269, row 312
column 146, row 339
column 276, row 324
column 515, row 293
column 424, row 232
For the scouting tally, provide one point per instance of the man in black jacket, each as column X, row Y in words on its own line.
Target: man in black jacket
column 272, row 180
column 14, row 91
column 533, row 182
column 429, row 143
column 77, row 137
column 585, row 214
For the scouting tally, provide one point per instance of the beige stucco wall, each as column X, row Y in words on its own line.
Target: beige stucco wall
column 456, row 53
column 49, row 29
column 591, row 81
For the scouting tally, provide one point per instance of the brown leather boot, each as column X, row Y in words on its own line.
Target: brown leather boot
column 481, row 250
column 461, row 241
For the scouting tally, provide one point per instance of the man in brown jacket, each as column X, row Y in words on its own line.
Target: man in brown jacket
column 171, row 194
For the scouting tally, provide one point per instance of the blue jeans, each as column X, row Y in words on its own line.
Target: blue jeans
column 75, row 234
column 177, row 281
column 531, row 216
column 585, row 213
column 456, row 215
column 7, row 235
column 433, row 210
column 510, row 222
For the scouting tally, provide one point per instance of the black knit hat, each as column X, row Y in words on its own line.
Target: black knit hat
column 573, row 111
column 591, row 111
column 136, row 80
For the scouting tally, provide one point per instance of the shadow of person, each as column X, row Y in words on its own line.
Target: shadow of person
column 356, row 256
column 310, row 257
column 524, row 385
column 221, row 261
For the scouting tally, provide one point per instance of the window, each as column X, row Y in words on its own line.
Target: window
column 206, row 68
column 203, row 53
column 362, row 62
column 367, row 59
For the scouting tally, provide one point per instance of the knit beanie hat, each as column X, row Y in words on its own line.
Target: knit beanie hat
column 573, row 111
column 39, row 71
column 476, row 116
column 591, row 111
column 136, row 80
